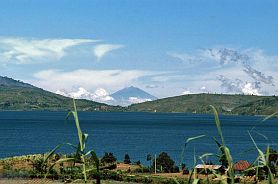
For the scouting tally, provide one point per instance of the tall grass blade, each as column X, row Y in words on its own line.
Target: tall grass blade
column 82, row 140
column 225, row 149
column 263, row 160
column 186, row 143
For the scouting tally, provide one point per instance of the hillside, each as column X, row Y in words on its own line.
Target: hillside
column 199, row 103
column 16, row 95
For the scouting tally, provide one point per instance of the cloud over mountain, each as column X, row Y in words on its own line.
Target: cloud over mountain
column 100, row 95
column 91, row 79
column 257, row 68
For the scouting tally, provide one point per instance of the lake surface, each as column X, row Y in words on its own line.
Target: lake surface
column 134, row 133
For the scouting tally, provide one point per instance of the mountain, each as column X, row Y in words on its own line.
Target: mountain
column 6, row 81
column 123, row 97
column 17, row 95
column 199, row 103
column 131, row 95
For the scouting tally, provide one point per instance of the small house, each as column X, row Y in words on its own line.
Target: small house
column 241, row 166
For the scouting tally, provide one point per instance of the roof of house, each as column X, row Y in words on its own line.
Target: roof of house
column 202, row 166
column 241, row 165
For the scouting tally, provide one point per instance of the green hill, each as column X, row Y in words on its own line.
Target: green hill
column 16, row 95
column 199, row 103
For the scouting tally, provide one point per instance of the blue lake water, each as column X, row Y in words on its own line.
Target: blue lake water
column 134, row 133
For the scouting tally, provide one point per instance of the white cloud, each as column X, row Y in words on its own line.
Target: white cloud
column 90, row 79
column 248, row 89
column 254, row 68
column 186, row 92
column 184, row 57
column 224, row 55
column 23, row 50
column 134, row 100
column 102, row 49
column 100, row 94
column 152, row 86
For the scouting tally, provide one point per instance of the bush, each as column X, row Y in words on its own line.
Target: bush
column 185, row 171
column 16, row 174
column 111, row 166
column 176, row 169
column 72, row 172
column 138, row 162
column 165, row 162
column 39, row 166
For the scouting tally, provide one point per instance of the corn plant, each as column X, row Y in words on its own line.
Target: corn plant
column 41, row 165
column 80, row 148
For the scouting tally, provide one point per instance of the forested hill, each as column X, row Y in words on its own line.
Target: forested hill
column 16, row 95
column 199, row 103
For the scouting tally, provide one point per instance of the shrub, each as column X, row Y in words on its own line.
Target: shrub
column 72, row 172
column 16, row 174
column 138, row 162
column 176, row 169
column 185, row 171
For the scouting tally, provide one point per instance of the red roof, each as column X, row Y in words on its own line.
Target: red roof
column 241, row 165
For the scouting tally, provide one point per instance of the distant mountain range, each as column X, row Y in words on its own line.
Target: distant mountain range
column 123, row 97
column 17, row 95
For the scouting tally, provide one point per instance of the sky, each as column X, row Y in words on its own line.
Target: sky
column 166, row 47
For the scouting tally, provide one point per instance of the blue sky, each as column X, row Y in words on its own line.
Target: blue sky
column 167, row 47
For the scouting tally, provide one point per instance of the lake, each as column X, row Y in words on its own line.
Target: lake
column 134, row 133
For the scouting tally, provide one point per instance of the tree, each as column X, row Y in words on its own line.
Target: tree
column 164, row 162
column 108, row 158
column 127, row 159
column 149, row 158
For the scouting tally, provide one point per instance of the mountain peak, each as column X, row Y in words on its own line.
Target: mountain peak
column 131, row 95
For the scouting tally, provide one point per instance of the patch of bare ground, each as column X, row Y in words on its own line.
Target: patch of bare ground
column 126, row 167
